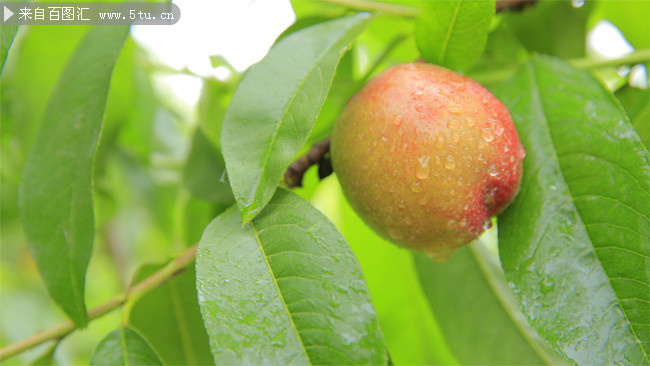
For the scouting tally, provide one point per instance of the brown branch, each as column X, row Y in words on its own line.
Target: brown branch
column 513, row 4
column 161, row 276
column 295, row 172
column 413, row 11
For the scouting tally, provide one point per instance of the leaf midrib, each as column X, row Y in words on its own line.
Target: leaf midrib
column 445, row 42
column 277, row 287
column 539, row 101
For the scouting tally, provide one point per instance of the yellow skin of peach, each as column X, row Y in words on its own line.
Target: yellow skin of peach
column 426, row 156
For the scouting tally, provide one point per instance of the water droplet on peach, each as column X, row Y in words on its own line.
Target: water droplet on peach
column 395, row 233
column 455, row 136
column 397, row 121
column 487, row 134
column 493, row 170
column 423, row 169
column 416, row 187
column 454, row 109
column 440, row 141
column 454, row 123
column 440, row 255
column 450, row 163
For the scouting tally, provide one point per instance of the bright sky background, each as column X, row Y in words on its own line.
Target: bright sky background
column 242, row 31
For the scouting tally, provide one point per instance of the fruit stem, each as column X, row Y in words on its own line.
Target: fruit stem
column 173, row 268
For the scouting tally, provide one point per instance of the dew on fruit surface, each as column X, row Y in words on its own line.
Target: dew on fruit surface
column 487, row 225
column 463, row 223
column 416, row 94
column 450, row 163
column 506, row 147
column 481, row 157
column 440, row 255
column 470, row 122
column 401, row 204
column 374, row 143
column 481, row 144
column 487, row 134
column 493, row 170
column 454, row 109
column 455, row 136
column 418, row 107
column 512, row 159
column 461, row 181
column 466, row 207
column 424, row 169
column 384, row 139
column 397, row 121
column 391, row 189
column 522, row 152
column 395, row 233
column 408, row 220
column 451, row 223
column 416, row 187
column 422, row 201
column 452, row 192
column 440, row 140
column 452, row 124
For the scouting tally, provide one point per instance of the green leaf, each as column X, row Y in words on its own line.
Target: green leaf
column 7, row 35
column 212, row 106
column 274, row 108
column 169, row 317
column 284, row 289
column 453, row 33
column 477, row 311
column 55, row 195
column 124, row 346
column 637, row 105
column 204, row 173
column 575, row 242
column 552, row 27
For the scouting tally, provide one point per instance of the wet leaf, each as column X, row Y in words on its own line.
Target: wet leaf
column 124, row 346
column 477, row 311
column 55, row 195
column 284, row 289
column 575, row 242
column 453, row 33
column 274, row 108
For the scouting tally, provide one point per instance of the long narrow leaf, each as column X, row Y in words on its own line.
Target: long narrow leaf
column 576, row 241
column 274, row 108
column 56, row 188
